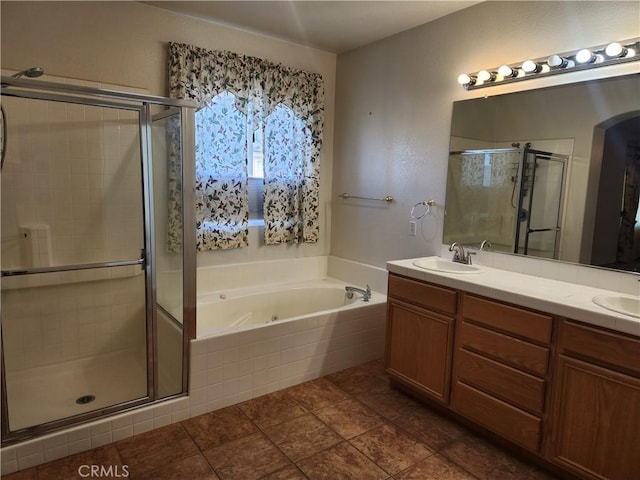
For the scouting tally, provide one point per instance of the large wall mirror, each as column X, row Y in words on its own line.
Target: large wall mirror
column 552, row 172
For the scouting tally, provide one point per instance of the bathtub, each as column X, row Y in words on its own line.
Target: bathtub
column 265, row 326
column 239, row 309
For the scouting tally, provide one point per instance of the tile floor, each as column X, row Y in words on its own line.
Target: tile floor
column 348, row 425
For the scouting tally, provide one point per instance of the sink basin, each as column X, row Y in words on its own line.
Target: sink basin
column 446, row 266
column 619, row 303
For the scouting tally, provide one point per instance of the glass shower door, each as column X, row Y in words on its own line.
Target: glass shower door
column 166, row 134
column 75, row 315
column 541, row 204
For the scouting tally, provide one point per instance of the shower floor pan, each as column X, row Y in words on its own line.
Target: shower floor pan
column 44, row 394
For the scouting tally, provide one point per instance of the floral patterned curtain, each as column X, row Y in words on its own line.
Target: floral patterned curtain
column 222, row 203
column 291, row 180
column 174, row 188
column 262, row 88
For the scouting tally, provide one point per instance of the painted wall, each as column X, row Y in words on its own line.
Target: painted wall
column 394, row 103
column 124, row 43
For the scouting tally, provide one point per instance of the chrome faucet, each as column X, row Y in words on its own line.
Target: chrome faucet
column 366, row 294
column 460, row 256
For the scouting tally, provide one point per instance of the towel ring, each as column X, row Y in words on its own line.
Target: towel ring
column 426, row 203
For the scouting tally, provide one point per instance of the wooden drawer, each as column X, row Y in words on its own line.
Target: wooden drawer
column 602, row 346
column 523, row 390
column 517, row 321
column 511, row 351
column 423, row 294
column 500, row 417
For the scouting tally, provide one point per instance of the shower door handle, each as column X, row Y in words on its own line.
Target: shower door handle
column 69, row 268
column 143, row 259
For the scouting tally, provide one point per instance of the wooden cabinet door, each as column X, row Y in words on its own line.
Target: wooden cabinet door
column 595, row 421
column 419, row 344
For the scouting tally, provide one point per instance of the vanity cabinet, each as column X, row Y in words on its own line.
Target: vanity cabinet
column 595, row 416
column 420, row 336
column 501, row 368
column 565, row 391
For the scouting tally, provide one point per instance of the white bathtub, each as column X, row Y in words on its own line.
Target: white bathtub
column 243, row 308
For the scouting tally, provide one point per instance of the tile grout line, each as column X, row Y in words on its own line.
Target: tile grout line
column 201, row 452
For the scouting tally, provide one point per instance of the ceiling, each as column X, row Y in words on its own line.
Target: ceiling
column 334, row 26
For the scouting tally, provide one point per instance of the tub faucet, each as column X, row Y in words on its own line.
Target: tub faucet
column 460, row 256
column 366, row 294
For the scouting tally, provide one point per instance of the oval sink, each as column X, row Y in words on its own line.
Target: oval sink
column 619, row 303
column 446, row 266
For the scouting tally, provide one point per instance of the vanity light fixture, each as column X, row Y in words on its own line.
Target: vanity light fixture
column 529, row 66
column 616, row 49
column 586, row 56
column 505, row 71
column 466, row 80
column 486, row 76
column 556, row 61
column 603, row 55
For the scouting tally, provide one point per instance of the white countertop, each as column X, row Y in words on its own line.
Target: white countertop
column 552, row 296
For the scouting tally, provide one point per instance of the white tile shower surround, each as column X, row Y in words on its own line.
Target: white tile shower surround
column 47, row 393
column 68, row 320
column 73, row 171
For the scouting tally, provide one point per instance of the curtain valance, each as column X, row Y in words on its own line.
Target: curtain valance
column 199, row 74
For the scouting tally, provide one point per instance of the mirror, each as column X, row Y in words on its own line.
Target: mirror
column 552, row 172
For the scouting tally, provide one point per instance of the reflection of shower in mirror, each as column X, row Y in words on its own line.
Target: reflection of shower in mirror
column 512, row 197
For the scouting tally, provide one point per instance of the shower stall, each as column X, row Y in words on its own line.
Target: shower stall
column 512, row 197
column 96, row 311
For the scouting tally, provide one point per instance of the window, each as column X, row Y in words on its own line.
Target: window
column 256, row 155
column 255, row 170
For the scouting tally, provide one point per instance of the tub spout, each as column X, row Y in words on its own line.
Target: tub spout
column 366, row 294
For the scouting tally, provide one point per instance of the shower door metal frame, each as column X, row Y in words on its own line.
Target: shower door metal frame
column 42, row 90
column 189, row 264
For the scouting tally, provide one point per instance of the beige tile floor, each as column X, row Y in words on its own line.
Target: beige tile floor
column 348, row 425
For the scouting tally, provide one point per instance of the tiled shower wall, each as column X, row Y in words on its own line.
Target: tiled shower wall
column 64, row 322
column 77, row 170
column 71, row 194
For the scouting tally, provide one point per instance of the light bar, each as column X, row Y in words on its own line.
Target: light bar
column 585, row 58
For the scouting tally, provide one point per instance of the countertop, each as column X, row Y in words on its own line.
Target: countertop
column 551, row 296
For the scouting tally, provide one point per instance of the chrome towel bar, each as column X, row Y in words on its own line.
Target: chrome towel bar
column 387, row 198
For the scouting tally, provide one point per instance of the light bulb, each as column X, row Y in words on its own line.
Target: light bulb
column 615, row 50
column 465, row 79
column 506, row 71
column 486, row 75
column 556, row 61
column 585, row 56
column 529, row 66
